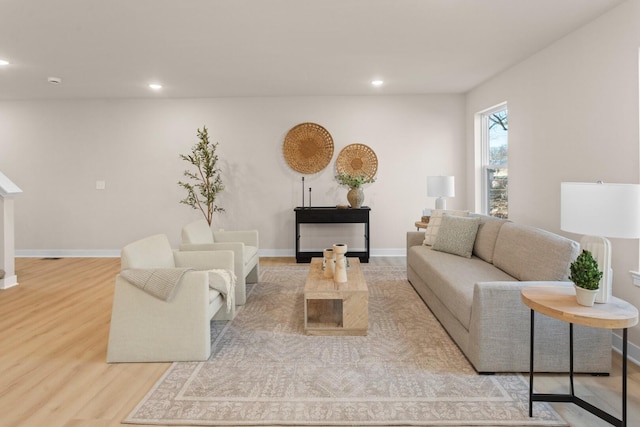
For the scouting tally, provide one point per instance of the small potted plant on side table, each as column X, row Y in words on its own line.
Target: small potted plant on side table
column 586, row 278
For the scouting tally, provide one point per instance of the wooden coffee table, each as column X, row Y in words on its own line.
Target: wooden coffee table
column 336, row 308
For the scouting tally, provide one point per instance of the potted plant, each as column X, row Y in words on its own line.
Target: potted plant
column 586, row 278
column 206, row 181
column 355, row 196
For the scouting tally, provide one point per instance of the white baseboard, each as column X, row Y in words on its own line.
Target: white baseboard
column 68, row 253
column 633, row 351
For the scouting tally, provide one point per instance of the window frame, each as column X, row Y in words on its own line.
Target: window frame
column 485, row 165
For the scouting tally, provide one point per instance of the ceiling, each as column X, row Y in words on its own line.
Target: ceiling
column 213, row 48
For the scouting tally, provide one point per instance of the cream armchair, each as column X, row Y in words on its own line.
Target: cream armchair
column 145, row 328
column 197, row 236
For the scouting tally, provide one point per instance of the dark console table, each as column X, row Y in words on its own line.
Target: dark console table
column 332, row 215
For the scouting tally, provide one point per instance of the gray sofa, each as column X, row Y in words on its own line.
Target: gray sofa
column 477, row 299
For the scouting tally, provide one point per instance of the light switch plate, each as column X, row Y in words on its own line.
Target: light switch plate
column 101, row 185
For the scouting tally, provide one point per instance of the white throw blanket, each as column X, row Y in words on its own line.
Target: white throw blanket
column 159, row 282
column 163, row 282
column 224, row 281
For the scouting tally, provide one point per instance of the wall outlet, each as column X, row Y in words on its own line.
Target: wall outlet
column 101, row 185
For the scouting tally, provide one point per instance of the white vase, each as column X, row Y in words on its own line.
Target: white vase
column 340, row 273
column 329, row 264
column 585, row 297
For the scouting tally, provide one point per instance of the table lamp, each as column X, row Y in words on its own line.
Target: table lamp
column 440, row 187
column 599, row 210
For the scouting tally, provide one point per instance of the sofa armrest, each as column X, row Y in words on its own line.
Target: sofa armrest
column 414, row 238
column 499, row 333
column 500, row 325
column 248, row 237
column 499, row 320
column 497, row 306
column 205, row 259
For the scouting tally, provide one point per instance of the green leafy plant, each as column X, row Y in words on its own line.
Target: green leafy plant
column 585, row 272
column 352, row 181
column 206, row 182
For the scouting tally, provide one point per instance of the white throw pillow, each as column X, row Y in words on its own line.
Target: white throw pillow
column 433, row 227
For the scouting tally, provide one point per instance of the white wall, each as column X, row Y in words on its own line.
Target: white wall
column 57, row 150
column 573, row 116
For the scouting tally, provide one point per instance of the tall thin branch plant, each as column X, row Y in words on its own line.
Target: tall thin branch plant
column 205, row 182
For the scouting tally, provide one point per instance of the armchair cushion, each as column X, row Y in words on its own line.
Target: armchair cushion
column 197, row 232
column 150, row 252
column 250, row 254
column 224, row 281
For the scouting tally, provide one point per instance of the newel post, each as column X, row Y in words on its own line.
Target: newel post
column 8, row 190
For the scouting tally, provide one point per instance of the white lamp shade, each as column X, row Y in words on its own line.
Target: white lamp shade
column 596, row 209
column 440, row 186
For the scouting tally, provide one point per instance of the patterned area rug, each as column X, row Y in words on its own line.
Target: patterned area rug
column 406, row 371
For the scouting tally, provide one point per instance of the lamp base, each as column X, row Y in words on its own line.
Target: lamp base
column 441, row 203
column 600, row 248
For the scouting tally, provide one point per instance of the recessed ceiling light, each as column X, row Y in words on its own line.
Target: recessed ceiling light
column 377, row 83
column 155, row 86
column 4, row 62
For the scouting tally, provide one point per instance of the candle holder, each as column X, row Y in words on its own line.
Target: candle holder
column 340, row 273
column 329, row 264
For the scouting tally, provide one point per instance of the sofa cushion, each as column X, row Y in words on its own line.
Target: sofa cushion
column 529, row 253
column 433, row 227
column 457, row 235
column 451, row 278
column 486, row 237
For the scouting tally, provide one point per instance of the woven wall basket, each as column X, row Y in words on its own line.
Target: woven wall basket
column 356, row 160
column 308, row 148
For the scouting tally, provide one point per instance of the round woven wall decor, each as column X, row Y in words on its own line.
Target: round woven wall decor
column 357, row 159
column 308, row 148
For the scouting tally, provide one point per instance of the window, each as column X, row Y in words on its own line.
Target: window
column 495, row 169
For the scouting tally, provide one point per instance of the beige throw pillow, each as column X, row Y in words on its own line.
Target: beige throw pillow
column 457, row 235
column 433, row 227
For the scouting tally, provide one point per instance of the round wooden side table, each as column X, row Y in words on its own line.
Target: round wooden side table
column 423, row 223
column 559, row 302
column 420, row 224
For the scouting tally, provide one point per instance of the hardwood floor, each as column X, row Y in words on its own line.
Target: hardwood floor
column 53, row 342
